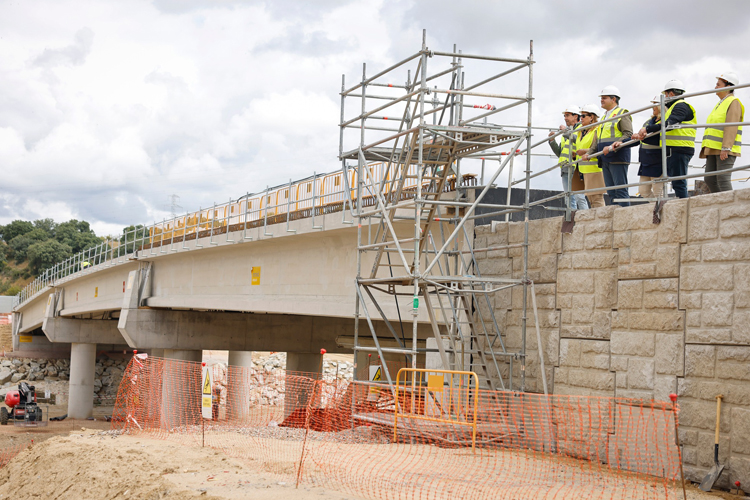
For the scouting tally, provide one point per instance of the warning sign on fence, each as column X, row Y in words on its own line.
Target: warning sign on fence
column 206, row 384
column 375, row 375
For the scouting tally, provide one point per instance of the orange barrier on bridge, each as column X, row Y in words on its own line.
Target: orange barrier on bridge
column 340, row 435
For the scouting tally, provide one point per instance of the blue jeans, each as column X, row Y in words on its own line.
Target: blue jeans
column 616, row 174
column 577, row 201
column 677, row 165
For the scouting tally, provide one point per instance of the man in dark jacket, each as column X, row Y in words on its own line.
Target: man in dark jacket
column 680, row 141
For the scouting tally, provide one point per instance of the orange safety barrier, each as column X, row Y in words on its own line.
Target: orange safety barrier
column 338, row 434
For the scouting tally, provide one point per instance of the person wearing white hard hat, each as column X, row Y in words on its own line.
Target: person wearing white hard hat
column 649, row 156
column 614, row 162
column 680, row 141
column 592, row 173
column 722, row 145
column 565, row 151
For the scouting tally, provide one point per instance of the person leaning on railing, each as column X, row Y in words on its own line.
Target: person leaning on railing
column 614, row 163
column 681, row 141
column 722, row 145
column 566, row 151
column 649, row 156
column 592, row 173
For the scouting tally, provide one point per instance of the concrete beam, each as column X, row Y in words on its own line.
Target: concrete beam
column 169, row 329
column 82, row 331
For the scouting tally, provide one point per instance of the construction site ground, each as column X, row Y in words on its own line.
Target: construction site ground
column 77, row 459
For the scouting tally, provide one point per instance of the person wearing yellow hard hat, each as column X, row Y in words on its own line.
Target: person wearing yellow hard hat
column 680, row 141
column 722, row 145
column 566, row 152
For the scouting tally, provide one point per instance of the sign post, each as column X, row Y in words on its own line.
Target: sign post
column 206, row 401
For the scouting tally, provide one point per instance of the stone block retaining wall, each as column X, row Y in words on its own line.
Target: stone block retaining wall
column 629, row 308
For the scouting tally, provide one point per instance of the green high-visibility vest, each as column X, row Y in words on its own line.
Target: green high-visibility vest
column 684, row 137
column 565, row 148
column 590, row 166
column 714, row 137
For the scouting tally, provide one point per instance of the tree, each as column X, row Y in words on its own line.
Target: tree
column 46, row 224
column 45, row 254
column 131, row 234
column 78, row 235
column 20, row 244
column 15, row 228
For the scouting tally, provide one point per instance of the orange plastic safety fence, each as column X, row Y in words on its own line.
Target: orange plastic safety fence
column 339, row 434
column 12, row 446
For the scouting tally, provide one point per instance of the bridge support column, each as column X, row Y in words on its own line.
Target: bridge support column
column 238, row 388
column 81, row 385
column 181, row 388
column 298, row 387
column 157, row 353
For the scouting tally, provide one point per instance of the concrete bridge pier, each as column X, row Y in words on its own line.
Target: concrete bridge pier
column 81, row 384
column 298, row 386
column 238, row 387
column 181, row 388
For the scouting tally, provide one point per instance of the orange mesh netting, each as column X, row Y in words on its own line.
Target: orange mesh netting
column 450, row 440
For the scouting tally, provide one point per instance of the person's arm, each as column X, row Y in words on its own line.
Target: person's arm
column 681, row 112
column 626, row 127
column 555, row 147
column 733, row 116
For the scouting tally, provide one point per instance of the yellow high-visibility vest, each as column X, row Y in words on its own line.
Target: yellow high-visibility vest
column 609, row 132
column 565, row 148
column 684, row 137
column 714, row 137
column 590, row 166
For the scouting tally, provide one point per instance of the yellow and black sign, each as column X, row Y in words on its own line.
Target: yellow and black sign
column 206, row 393
column 255, row 275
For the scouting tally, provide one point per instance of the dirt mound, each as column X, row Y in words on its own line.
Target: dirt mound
column 91, row 464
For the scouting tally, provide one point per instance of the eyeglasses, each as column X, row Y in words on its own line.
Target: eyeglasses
column 585, row 115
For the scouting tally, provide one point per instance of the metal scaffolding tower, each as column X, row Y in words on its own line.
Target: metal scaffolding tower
column 415, row 221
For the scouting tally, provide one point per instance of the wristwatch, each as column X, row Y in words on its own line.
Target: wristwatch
column 726, row 149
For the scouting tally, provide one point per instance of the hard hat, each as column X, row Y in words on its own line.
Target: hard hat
column 610, row 90
column 573, row 109
column 592, row 109
column 730, row 77
column 656, row 99
column 674, row 85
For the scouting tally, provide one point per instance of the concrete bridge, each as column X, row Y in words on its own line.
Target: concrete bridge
column 275, row 287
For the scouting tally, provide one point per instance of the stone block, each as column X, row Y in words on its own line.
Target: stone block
column 703, row 225
column 700, row 360
column 660, row 300
column 598, row 241
column 673, row 227
column 597, row 380
column 592, row 360
column 621, row 240
column 707, row 277
column 721, row 251
column 565, row 261
column 623, row 256
column 605, row 289
column 599, row 226
column 741, row 327
column 583, row 309
column 708, row 335
column 621, row 380
column 595, row 260
column 735, row 211
column 693, row 319
column 688, row 437
column 552, row 235
column 634, row 217
column 661, row 285
column 711, row 200
column 733, row 353
column 641, row 374
column 629, row 294
column 690, row 300
column 717, row 309
column 570, row 352
column 740, row 471
column 497, row 267
column 620, row 320
column 606, row 212
column 633, row 343
column 690, row 253
column 577, row 331
column 575, row 281
column 548, row 269
column 482, row 229
column 706, row 448
column 735, row 228
column 564, row 301
column 637, row 271
column 664, row 321
column 733, row 370
column 573, row 242
column 602, row 324
column 696, row 413
column 741, row 300
column 585, row 216
column 642, row 245
column 668, row 260
column 742, row 194
column 664, row 385
column 742, row 277
column 670, row 354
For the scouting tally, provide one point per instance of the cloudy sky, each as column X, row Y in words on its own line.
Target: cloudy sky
column 109, row 107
